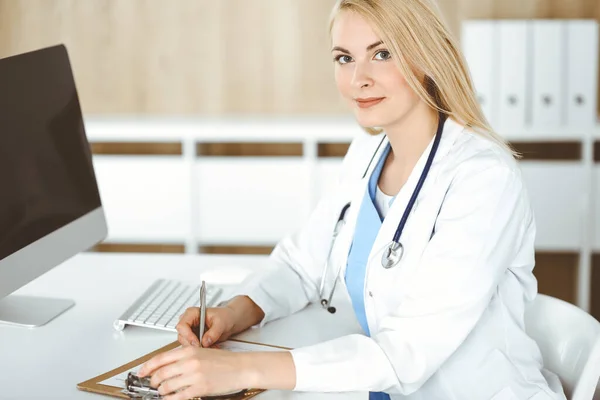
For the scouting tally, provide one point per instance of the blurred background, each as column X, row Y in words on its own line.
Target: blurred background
column 216, row 125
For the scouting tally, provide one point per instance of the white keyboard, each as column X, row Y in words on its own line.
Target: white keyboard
column 160, row 306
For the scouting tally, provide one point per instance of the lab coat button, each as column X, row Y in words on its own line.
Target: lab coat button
column 370, row 293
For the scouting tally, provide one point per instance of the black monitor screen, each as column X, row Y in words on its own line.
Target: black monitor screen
column 46, row 174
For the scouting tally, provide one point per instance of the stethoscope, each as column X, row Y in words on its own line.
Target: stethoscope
column 392, row 255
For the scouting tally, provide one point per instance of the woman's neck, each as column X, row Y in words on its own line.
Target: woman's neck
column 409, row 137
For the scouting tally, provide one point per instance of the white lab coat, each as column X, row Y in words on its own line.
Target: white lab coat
column 447, row 322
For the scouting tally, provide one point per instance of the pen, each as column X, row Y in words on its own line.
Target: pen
column 202, row 321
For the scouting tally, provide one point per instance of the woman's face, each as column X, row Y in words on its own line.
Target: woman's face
column 366, row 75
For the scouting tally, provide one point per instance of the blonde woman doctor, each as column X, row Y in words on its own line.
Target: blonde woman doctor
column 436, row 250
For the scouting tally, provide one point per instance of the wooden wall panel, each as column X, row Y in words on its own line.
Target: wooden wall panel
column 141, row 56
column 504, row 9
column 248, row 149
column 180, row 69
column 213, row 57
column 515, row 9
column 468, row 9
column 556, row 274
column 549, row 151
column 198, row 56
column 246, row 64
column 137, row 248
column 595, row 292
column 137, row 148
column 565, row 9
column 317, row 84
column 227, row 249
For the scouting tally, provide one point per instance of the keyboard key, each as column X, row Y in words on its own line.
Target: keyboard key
column 172, row 324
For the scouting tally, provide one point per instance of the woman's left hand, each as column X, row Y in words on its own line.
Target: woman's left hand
column 189, row 371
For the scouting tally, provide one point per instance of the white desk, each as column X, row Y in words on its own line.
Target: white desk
column 49, row 361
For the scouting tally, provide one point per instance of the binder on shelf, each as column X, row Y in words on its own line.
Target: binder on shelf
column 582, row 73
column 478, row 38
column 547, row 59
column 513, row 93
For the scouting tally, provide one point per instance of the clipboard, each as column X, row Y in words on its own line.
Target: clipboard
column 94, row 385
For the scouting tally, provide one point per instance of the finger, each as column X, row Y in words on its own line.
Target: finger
column 185, row 394
column 176, row 384
column 165, row 374
column 184, row 327
column 191, row 315
column 215, row 331
column 182, row 340
column 163, row 359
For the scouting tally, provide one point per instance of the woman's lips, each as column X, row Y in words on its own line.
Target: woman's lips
column 369, row 102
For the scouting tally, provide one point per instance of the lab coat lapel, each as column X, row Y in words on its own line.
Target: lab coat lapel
column 357, row 197
column 390, row 223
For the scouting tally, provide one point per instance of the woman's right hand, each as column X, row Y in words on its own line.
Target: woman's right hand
column 219, row 326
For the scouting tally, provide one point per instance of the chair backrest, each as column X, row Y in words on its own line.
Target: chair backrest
column 569, row 340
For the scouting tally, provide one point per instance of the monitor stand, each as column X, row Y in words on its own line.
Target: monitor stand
column 30, row 311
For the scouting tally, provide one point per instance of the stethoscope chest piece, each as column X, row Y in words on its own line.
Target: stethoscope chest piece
column 392, row 255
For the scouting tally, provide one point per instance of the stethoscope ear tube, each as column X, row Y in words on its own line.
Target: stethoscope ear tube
column 326, row 302
column 338, row 228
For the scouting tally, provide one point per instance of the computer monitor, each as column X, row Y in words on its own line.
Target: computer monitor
column 50, row 206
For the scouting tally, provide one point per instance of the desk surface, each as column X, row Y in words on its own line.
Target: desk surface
column 49, row 361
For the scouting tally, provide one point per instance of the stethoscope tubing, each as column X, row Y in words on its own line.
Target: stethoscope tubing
column 390, row 257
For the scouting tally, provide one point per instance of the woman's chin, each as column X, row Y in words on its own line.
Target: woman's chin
column 368, row 121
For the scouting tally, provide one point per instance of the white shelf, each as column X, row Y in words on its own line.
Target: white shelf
column 295, row 129
column 263, row 129
column 164, row 199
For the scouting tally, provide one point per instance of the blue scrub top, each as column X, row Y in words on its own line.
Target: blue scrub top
column 367, row 227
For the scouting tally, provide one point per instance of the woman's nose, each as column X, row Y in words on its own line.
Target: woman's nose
column 362, row 77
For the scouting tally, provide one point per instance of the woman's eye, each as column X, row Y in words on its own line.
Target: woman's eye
column 383, row 55
column 343, row 59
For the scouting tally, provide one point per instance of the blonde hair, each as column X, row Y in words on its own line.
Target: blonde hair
column 419, row 40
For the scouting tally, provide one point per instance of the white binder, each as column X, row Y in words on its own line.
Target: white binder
column 512, row 77
column 548, row 74
column 582, row 73
column 478, row 38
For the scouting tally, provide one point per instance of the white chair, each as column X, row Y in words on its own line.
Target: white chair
column 569, row 340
